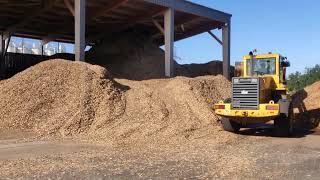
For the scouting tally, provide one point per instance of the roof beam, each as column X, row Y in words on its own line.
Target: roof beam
column 98, row 13
column 188, row 33
column 63, row 38
column 47, row 4
column 215, row 37
column 158, row 25
column 179, row 26
column 69, row 6
column 131, row 22
column 192, row 8
column 104, row 10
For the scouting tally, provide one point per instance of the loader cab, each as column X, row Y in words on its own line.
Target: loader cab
column 266, row 65
column 261, row 65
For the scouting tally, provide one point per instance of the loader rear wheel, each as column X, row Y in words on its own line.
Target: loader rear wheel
column 230, row 125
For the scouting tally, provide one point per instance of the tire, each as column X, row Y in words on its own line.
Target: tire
column 228, row 100
column 283, row 125
column 229, row 125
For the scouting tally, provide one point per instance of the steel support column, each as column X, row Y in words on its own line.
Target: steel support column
column 79, row 19
column 169, row 41
column 42, row 49
column 43, row 42
column 2, row 50
column 226, row 49
column 7, row 43
column 2, row 44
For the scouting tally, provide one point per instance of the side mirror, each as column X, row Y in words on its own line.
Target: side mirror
column 285, row 64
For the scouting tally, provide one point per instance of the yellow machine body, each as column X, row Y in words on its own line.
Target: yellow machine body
column 271, row 87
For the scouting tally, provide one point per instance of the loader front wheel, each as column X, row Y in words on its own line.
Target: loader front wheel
column 230, row 125
column 284, row 124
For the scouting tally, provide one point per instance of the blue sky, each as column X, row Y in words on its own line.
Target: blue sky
column 288, row 27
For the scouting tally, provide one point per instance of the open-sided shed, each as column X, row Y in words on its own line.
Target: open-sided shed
column 86, row 22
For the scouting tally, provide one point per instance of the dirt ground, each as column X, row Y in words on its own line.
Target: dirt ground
column 253, row 154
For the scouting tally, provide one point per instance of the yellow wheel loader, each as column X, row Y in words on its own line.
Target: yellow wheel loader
column 259, row 95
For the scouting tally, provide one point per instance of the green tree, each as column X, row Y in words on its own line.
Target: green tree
column 298, row 81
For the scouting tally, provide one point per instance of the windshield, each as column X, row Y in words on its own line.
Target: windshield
column 261, row 66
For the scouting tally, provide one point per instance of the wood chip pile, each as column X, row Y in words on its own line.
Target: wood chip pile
column 136, row 57
column 63, row 98
column 306, row 105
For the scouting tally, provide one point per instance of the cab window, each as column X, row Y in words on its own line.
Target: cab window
column 261, row 66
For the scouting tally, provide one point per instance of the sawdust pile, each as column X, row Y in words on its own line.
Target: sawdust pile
column 58, row 96
column 168, row 109
column 136, row 57
column 306, row 105
column 64, row 98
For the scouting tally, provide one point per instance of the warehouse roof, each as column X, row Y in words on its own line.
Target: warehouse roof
column 54, row 20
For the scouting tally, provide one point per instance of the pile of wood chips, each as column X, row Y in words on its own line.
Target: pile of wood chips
column 60, row 98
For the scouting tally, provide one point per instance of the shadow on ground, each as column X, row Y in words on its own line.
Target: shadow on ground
column 268, row 131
